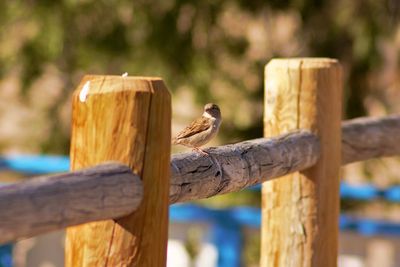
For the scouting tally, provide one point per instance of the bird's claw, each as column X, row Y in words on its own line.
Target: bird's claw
column 204, row 153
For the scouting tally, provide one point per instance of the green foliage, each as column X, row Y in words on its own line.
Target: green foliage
column 187, row 43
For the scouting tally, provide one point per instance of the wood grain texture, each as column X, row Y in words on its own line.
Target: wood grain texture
column 234, row 167
column 125, row 119
column 300, row 210
column 367, row 138
column 49, row 203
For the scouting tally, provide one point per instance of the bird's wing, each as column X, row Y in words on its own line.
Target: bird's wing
column 198, row 125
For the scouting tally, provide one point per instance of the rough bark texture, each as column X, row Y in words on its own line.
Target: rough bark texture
column 366, row 138
column 126, row 119
column 234, row 167
column 50, row 203
column 300, row 211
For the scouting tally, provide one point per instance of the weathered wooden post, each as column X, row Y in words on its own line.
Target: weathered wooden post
column 300, row 211
column 125, row 119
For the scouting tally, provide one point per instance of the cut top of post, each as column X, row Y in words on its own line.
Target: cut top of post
column 302, row 62
column 100, row 84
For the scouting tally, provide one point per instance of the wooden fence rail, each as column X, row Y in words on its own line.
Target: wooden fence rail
column 367, row 138
column 51, row 203
column 232, row 168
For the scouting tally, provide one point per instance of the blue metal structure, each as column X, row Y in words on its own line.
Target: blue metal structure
column 226, row 224
column 226, row 227
column 6, row 255
column 34, row 164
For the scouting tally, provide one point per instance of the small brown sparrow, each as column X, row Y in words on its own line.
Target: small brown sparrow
column 201, row 130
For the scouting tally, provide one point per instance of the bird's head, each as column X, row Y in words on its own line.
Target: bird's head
column 212, row 110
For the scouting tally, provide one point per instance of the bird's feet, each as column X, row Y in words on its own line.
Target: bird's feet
column 201, row 151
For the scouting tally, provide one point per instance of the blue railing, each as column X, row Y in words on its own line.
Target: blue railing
column 226, row 224
column 34, row 164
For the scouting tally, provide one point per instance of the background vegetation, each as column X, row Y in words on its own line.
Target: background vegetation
column 205, row 50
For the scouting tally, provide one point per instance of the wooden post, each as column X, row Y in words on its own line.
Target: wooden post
column 300, row 211
column 125, row 119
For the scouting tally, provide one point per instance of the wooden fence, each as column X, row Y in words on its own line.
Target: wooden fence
column 117, row 212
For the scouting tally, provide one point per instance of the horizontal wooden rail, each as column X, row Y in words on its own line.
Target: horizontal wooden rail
column 234, row 167
column 367, row 138
column 50, row 203
column 111, row 190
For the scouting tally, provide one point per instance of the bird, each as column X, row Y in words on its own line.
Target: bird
column 201, row 130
